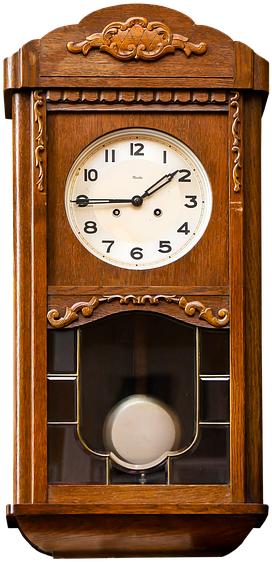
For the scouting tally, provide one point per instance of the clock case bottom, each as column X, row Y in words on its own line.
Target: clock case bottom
column 74, row 531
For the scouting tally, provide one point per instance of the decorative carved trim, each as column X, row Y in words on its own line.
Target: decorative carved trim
column 132, row 96
column 87, row 308
column 137, row 39
column 204, row 313
column 236, row 145
column 38, row 119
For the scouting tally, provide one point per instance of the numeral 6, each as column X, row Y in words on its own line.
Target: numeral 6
column 137, row 253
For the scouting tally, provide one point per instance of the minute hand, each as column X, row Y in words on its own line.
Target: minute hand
column 159, row 184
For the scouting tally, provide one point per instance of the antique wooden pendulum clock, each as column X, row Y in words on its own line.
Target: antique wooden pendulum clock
column 137, row 276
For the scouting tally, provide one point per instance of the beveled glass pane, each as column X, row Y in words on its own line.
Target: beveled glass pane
column 68, row 462
column 208, row 462
column 214, row 351
column 214, row 400
column 61, row 400
column 62, row 350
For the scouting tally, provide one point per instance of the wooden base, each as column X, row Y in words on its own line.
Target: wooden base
column 210, row 530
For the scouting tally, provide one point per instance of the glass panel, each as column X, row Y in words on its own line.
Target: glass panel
column 61, row 400
column 157, row 476
column 62, row 347
column 214, row 400
column 214, row 351
column 68, row 462
column 136, row 353
column 208, row 462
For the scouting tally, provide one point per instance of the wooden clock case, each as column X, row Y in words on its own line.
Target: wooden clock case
column 210, row 92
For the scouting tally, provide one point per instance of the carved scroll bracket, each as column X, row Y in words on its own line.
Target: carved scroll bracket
column 39, row 139
column 87, row 309
column 236, row 142
column 137, row 39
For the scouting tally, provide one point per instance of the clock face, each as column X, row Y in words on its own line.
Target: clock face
column 138, row 198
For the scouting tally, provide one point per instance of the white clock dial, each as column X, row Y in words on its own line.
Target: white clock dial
column 138, row 198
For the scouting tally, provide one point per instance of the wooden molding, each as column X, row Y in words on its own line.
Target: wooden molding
column 71, row 291
column 137, row 39
column 191, row 530
column 141, row 95
column 87, row 309
column 74, row 500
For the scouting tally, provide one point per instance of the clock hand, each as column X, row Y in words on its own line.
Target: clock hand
column 137, row 200
column 83, row 201
column 158, row 185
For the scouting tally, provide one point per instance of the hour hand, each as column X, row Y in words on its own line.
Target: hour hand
column 84, row 201
column 159, row 184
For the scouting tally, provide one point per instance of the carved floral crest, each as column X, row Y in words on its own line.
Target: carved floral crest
column 137, row 39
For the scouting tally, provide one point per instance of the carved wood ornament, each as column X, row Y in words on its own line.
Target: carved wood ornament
column 236, row 146
column 137, row 39
column 131, row 96
column 38, row 119
column 87, row 308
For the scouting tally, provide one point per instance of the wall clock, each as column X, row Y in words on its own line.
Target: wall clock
column 143, row 374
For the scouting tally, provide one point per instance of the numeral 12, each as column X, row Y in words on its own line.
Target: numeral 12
column 136, row 149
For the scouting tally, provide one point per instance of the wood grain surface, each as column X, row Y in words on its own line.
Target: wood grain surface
column 100, row 536
column 206, row 264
